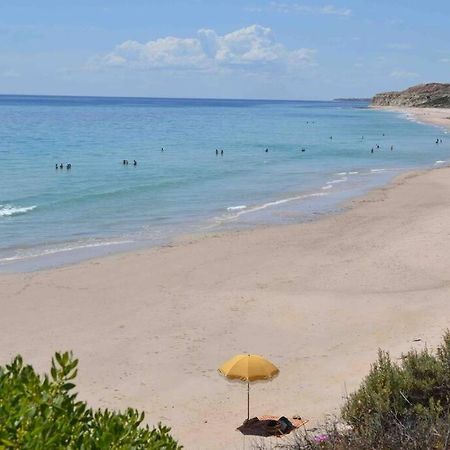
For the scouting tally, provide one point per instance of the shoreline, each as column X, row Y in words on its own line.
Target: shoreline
column 151, row 327
column 433, row 116
column 72, row 252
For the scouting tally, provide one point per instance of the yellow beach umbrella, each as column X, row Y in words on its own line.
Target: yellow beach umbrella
column 248, row 368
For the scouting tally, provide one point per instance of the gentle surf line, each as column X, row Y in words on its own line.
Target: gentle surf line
column 52, row 251
column 10, row 210
column 274, row 203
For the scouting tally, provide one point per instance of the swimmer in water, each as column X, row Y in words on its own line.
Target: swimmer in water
column 56, row 166
column 267, row 150
column 217, row 151
column 134, row 162
column 61, row 166
column 371, row 151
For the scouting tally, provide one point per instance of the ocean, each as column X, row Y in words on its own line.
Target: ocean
column 318, row 155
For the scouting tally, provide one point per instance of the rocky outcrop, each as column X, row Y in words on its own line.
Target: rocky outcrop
column 431, row 95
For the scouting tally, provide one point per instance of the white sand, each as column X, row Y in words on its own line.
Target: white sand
column 318, row 299
column 435, row 116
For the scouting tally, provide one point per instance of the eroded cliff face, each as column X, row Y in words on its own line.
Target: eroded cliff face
column 431, row 95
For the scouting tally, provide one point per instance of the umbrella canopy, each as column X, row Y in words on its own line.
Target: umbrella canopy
column 248, row 368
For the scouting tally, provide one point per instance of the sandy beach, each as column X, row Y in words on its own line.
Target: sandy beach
column 434, row 116
column 318, row 299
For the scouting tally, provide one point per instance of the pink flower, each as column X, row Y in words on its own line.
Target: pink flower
column 321, row 438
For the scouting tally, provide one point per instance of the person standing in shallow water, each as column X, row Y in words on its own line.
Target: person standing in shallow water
column 217, row 151
column 221, row 152
column 134, row 162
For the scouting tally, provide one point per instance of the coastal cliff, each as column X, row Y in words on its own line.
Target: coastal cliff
column 430, row 95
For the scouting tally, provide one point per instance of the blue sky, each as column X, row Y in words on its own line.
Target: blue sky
column 228, row 49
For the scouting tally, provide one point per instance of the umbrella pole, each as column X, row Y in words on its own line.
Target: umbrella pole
column 248, row 399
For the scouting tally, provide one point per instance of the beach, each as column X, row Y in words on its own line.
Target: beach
column 318, row 299
column 434, row 116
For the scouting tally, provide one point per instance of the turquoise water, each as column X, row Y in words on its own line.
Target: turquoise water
column 50, row 216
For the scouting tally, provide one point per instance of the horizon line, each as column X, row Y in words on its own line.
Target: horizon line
column 184, row 98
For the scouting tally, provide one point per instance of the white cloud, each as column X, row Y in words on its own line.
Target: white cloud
column 403, row 74
column 293, row 7
column 444, row 60
column 286, row 8
column 253, row 47
column 330, row 9
column 399, row 46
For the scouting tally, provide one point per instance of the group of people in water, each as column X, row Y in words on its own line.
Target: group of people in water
column 61, row 166
column 125, row 162
column 378, row 147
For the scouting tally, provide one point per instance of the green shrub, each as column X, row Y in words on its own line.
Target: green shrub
column 402, row 405
column 416, row 390
column 44, row 413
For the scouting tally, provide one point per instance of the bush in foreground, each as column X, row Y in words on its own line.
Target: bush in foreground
column 402, row 405
column 43, row 413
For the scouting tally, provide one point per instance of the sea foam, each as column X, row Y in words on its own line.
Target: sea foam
column 274, row 203
column 10, row 210
column 236, row 208
column 61, row 249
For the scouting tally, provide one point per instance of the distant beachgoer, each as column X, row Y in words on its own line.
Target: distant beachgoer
column 392, row 148
column 217, row 151
column 61, row 166
column 134, row 162
column 331, row 137
column 378, row 146
column 267, row 150
column 440, row 140
column 383, row 134
column 437, row 141
column 362, row 137
column 56, row 166
column 371, row 151
column 221, row 152
column 69, row 166
column 162, row 149
column 303, row 150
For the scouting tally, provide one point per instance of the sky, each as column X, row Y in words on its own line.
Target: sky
column 278, row 49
